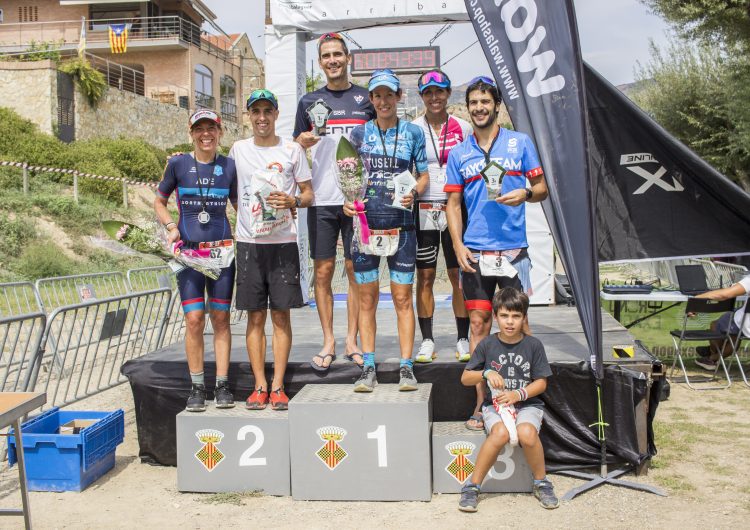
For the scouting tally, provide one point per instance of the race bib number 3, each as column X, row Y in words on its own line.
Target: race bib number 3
column 382, row 242
column 495, row 264
column 432, row 216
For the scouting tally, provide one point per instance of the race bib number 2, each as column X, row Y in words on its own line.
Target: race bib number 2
column 382, row 242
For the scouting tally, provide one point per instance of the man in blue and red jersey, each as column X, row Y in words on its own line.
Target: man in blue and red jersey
column 350, row 106
column 489, row 174
column 389, row 149
column 203, row 181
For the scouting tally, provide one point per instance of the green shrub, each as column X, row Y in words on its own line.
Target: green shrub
column 91, row 82
column 179, row 148
column 23, row 142
column 15, row 233
column 134, row 158
column 40, row 51
column 44, row 260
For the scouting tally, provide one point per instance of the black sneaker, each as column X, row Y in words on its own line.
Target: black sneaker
column 222, row 396
column 545, row 492
column 703, row 351
column 197, row 400
column 469, row 498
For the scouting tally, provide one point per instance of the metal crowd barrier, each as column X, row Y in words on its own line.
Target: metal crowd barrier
column 20, row 343
column 147, row 278
column 67, row 290
column 19, row 298
column 718, row 273
column 85, row 344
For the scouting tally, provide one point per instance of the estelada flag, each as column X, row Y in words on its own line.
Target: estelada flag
column 118, row 38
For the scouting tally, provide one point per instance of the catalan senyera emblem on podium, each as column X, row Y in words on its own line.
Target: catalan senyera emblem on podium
column 209, row 455
column 331, row 454
column 461, row 466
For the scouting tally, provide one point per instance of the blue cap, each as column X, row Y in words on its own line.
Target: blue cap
column 384, row 77
column 262, row 94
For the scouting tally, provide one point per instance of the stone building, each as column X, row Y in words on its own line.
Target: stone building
column 170, row 55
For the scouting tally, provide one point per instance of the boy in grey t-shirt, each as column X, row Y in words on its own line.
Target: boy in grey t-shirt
column 515, row 366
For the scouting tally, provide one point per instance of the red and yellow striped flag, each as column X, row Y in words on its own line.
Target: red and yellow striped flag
column 118, row 38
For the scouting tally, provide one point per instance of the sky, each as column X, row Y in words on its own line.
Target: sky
column 614, row 35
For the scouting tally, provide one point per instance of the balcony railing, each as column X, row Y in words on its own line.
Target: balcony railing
column 67, row 33
column 119, row 76
column 228, row 111
column 204, row 101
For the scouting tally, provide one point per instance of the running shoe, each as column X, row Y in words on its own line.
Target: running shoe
column 426, row 352
column 222, row 396
column 462, row 350
column 279, row 400
column 257, row 400
column 407, row 381
column 196, row 402
column 706, row 363
column 469, row 498
column 367, row 381
column 545, row 492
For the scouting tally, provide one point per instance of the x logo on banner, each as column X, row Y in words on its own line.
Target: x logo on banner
column 654, row 179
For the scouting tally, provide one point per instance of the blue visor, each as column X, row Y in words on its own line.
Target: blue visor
column 384, row 77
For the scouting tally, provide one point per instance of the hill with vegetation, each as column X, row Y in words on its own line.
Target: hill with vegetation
column 46, row 232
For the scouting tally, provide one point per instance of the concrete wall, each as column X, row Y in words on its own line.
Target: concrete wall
column 31, row 90
column 47, row 10
column 121, row 113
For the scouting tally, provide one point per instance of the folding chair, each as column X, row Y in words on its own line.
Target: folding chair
column 679, row 336
column 736, row 344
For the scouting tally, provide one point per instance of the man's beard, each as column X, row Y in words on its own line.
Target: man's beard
column 491, row 119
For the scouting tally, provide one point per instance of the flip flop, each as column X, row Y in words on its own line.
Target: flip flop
column 477, row 418
column 323, row 359
column 351, row 357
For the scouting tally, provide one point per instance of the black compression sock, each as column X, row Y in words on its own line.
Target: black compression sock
column 425, row 326
column 462, row 326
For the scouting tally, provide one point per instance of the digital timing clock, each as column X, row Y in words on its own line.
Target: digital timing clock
column 400, row 60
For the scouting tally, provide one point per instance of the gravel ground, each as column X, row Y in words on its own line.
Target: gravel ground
column 702, row 437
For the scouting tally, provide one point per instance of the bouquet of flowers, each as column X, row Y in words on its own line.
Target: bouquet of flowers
column 353, row 183
column 152, row 239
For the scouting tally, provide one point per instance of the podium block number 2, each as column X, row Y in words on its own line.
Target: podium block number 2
column 247, row 456
column 379, row 435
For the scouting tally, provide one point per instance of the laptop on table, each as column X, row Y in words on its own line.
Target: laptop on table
column 691, row 279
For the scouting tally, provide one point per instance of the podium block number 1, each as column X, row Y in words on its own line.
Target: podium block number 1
column 379, row 435
column 246, row 459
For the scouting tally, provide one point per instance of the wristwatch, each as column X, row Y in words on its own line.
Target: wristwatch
column 297, row 202
column 529, row 194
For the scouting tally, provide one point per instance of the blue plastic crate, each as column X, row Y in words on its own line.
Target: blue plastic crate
column 68, row 462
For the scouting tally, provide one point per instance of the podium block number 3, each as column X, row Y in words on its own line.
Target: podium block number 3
column 379, row 435
column 506, row 457
column 247, row 457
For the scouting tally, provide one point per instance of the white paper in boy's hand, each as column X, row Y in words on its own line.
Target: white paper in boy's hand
column 507, row 414
column 403, row 183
